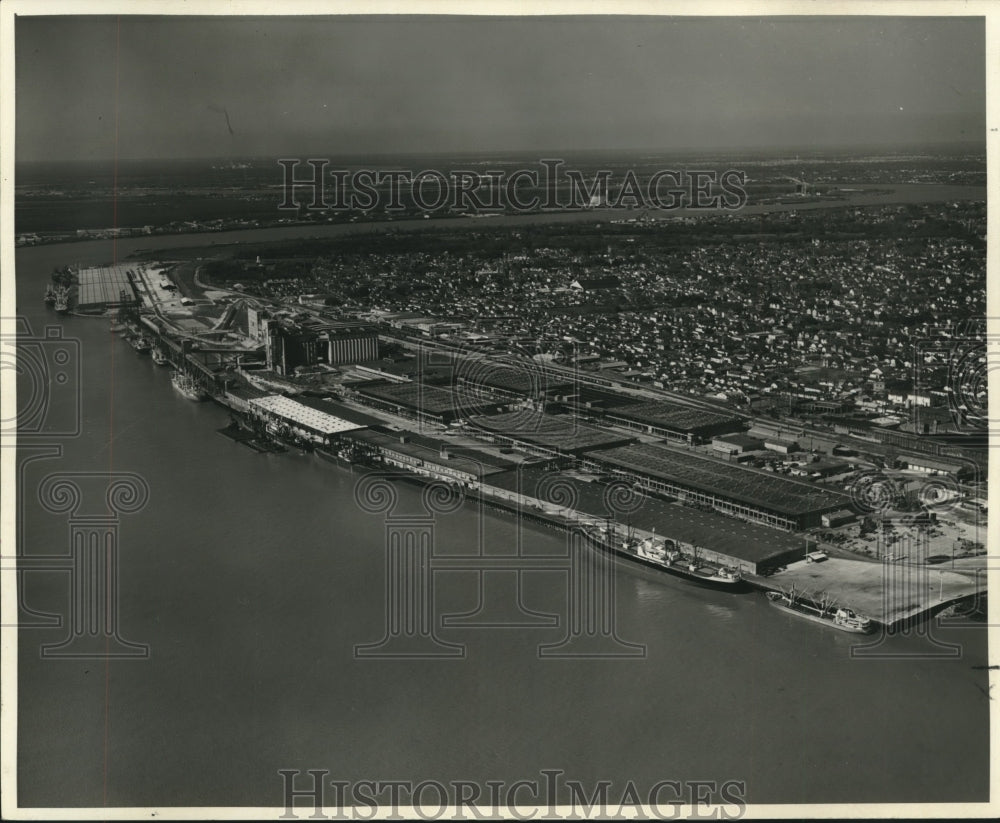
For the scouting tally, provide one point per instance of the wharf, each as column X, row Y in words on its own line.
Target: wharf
column 249, row 439
column 889, row 593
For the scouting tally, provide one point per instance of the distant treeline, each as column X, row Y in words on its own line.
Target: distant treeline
column 593, row 238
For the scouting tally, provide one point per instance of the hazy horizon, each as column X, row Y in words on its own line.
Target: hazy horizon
column 803, row 152
column 161, row 88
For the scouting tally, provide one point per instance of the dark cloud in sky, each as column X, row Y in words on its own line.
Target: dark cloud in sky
column 350, row 85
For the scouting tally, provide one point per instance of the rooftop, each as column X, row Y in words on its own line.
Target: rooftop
column 303, row 415
column 103, row 285
column 523, row 379
column 673, row 415
column 740, row 439
column 339, row 410
column 705, row 529
column 559, row 432
column 433, row 450
column 755, row 488
column 429, row 399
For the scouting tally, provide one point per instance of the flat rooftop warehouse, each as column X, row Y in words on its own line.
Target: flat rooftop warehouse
column 682, row 419
column 757, row 489
column 529, row 381
column 603, row 399
column 103, row 286
column 430, row 452
column 339, row 410
column 757, row 545
column 302, row 415
column 430, row 400
column 560, row 433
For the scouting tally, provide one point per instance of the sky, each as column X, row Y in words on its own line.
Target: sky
column 354, row 85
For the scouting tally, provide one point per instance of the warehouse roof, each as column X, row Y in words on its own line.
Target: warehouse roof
column 734, row 482
column 429, row 399
column 434, row 451
column 340, row 410
column 303, row 415
column 560, row 432
column 673, row 416
column 515, row 379
column 709, row 530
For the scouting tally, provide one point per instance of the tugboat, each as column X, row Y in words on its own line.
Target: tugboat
column 187, row 387
column 658, row 555
column 50, row 295
column 159, row 357
column 847, row 620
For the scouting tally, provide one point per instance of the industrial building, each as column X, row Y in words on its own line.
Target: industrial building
column 291, row 343
column 841, row 517
column 427, row 403
column 349, row 343
column 299, row 419
column 289, row 347
column 736, row 444
column 105, row 287
column 428, row 457
column 935, row 465
column 750, row 548
column 673, row 421
column 780, row 445
column 546, row 434
column 238, row 395
column 337, row 409
column 752, row 495
column 510, row 381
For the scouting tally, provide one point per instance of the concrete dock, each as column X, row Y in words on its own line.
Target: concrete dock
column 886, row 592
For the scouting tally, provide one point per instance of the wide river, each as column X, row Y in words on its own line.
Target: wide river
column 251, row 578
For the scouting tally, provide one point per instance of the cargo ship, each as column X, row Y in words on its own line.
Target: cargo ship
column 187, row 387
column 847, row 620
column 657, row 554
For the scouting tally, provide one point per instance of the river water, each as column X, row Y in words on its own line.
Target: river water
column 251, row 578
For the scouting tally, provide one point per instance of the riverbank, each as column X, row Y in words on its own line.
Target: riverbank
column 853, row 196
column 897, row 595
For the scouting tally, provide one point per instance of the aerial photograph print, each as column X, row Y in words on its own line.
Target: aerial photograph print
column 453, row 411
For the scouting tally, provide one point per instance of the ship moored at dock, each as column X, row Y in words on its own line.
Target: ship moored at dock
column 665, row 556
column 187, row 387
column 838, row 617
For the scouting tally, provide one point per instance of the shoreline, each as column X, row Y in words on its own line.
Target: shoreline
column 869, row 195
